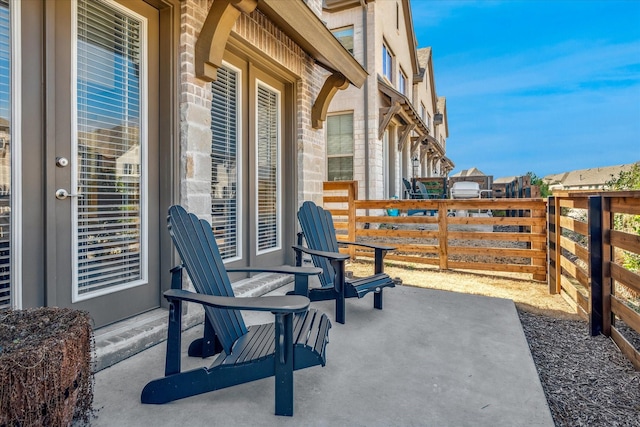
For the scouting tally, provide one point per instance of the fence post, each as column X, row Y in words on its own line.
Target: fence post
column 551, row 245
column 558, row 253
column 607, row 255
column 595, row 265
column 353, row 195
column 538, row 213
column 443, row 238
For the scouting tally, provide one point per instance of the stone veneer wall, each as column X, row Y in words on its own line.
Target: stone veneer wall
column 195, row 105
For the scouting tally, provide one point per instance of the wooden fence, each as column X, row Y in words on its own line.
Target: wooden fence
column 472, row 234
column 588, row 249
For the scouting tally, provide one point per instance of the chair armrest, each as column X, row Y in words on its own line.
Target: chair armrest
column 367, row 245
column 274, row 304
column 330, row 255
column 285, row 269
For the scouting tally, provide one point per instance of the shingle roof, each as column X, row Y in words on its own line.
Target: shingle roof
column 587, row 177
column 470, row 172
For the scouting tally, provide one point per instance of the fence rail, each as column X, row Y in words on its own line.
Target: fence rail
column 581, row 242
column 445, row 233
column 588, row 248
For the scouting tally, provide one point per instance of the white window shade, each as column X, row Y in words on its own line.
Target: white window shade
column 267, row 165
column 109, row 221
column 225, row 162
column 5, row 155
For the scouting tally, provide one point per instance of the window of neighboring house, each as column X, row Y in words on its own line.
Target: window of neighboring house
column 340, row 147
column 345, row 37
column 225, row 154
column 423, row 112
column 387, row 62
column 402, row 82
column 429, row 120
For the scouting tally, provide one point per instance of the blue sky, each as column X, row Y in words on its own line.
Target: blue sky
column 539, row 86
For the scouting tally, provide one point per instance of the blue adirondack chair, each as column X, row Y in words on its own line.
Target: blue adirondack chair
column 413, row 195
column 296, row 340
column 320, row 235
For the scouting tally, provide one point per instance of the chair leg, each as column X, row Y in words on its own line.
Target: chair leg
column 284, row 364
column 340, row 287
column 174, row 338
column 340, row 308
column 377, row 299
column 208, row 345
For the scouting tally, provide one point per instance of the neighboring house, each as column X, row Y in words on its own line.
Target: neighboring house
column 118, row 109
column 585, row 179
column 395, row 126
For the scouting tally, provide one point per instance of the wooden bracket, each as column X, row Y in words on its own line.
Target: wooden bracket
column 213, row 37
column 334, row 82
column 416, row 142
column 386, row 114
column 405, row 131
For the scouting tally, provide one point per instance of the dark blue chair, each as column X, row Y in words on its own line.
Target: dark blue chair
column 320, row 235
column 296, row 340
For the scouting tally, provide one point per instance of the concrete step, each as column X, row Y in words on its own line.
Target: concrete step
column 123, row 339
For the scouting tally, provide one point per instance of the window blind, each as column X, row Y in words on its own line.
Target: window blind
column 5, row 155
column 109, row 219
column 225, row 179
column 267, row 168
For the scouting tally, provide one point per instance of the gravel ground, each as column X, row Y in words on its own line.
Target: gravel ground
column 587, row 380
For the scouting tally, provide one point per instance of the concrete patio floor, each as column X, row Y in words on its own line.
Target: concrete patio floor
column 430, row 358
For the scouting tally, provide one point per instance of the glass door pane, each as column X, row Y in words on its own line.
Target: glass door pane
column 109, row 214
column 267, row 165
column 5, row 155
column 225, row 163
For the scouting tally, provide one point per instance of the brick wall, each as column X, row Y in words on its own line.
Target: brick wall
column 195, row 103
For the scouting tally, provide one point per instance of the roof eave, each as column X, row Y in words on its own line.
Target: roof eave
column 305, row 28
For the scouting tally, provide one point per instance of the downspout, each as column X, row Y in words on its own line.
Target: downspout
column 366, row 100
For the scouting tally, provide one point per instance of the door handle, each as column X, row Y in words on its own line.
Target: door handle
column 62, row 194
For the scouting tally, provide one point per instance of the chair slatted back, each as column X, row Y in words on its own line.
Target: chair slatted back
column 199, row 252
column 422, row 189
column 407, row 187
column 320, row 234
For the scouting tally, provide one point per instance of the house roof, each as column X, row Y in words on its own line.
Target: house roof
column 505, row 179
column 426, row 62
column 307, row 29
column 470, row 172
column 587, row 177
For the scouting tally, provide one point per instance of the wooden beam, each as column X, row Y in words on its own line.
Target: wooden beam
column 334, row 82
column 405, row 131
column 214, row 34
column 386, row 114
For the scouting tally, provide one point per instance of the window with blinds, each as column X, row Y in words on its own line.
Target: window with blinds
column 267, row 165
column 5, row 155
column 110, row 224
column 340, row 147
column 225, row 155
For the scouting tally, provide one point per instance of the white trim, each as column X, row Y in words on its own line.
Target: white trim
column 278, row 93
column 16, row 156
column 239, row 169
column 144, row 116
